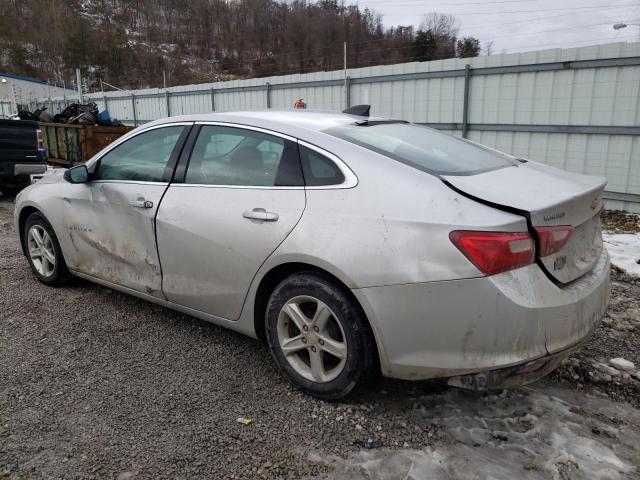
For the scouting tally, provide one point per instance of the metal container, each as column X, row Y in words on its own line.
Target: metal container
column 72, row 144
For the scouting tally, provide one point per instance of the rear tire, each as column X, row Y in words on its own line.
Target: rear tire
column 43, row 251
column 319, row 337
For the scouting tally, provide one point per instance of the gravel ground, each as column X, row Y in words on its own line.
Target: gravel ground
column 97, row 384
column 617, row 336
column 619, row 333
column 616, row 221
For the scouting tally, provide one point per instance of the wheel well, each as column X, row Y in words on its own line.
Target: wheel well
column 24, row 214
column 271, row 280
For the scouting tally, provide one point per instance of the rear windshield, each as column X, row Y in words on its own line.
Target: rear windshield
column 424, row 148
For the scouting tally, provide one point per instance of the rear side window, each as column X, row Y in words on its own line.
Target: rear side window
column 424, row 148
column 319, row 170
column 242, row 157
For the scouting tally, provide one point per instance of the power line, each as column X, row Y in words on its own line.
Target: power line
column 392, row 61
column 530, row 11
column 386, row 2
column 529, row 20
column 368, row 43
column 576, row 27
column 374, row 63
column 317, row 50
column 605, row 39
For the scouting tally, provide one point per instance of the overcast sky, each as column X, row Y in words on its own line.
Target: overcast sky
column 533, row 25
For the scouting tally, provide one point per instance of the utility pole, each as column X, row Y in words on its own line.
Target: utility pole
column 345, row 70
column 13, row 98
column 79, row 85
column 49, row 92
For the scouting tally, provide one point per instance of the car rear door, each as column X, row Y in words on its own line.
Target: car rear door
column 109, row 222
column 236, row 196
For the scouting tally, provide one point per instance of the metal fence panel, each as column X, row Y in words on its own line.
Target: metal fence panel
column 146, row 108
column 577, row 109
column 616, row 157
column 320, row 98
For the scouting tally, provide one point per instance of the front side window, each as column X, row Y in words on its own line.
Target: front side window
column 142, row 158
column 240, row 157
column 424, row 148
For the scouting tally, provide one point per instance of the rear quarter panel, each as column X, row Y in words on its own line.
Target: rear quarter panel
column 391, row 228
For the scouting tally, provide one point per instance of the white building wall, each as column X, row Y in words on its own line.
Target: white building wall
column 28, row 91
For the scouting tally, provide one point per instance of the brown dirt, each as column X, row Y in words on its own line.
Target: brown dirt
column 617, row 221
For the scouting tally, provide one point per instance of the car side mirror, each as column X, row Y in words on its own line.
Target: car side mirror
column 77, row 174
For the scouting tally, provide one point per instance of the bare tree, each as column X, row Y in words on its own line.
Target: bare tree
column 488, row 49
column 443, row 28
column 440, row 24
column 130, row 43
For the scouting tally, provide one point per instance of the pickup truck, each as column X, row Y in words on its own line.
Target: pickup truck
column 22, row 152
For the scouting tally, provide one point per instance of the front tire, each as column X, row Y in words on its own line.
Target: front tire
column 43, row 251
column 319, row 338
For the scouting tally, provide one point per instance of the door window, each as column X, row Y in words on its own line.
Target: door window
column 142, row 158
column 235, row 156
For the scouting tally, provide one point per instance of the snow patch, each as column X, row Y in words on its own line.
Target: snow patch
column 622, row 364
column 527, row 434
column 624, row 250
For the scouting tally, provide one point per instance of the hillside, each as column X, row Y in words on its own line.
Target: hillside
column 143, row 43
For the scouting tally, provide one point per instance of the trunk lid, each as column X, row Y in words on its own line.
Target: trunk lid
column 547, row 196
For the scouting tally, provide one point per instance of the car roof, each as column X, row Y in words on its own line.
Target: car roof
column 284, row 121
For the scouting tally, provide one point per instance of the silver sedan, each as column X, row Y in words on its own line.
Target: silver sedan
column 352, row 245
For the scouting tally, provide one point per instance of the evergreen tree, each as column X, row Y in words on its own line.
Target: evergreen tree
column 468, row 47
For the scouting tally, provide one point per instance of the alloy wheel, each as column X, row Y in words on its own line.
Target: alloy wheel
column 41, row 250
column 312, row 339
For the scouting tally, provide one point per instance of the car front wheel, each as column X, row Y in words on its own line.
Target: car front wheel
column 43, row 251
column 319, row 338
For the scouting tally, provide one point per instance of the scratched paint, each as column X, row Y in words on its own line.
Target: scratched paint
column 110, row 238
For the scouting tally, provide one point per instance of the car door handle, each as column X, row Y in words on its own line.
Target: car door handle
column 260, row 214
column 141, row 203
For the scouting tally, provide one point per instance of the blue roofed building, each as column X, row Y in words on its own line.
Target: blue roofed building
column 20, row 90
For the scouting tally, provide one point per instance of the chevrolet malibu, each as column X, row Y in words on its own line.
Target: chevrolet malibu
column 352, row 245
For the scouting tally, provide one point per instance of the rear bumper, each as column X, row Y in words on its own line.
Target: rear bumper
column 512, row 376
column 480, row 325
column 29, row 168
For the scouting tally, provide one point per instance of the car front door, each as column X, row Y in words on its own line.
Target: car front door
column 241, row 194
column 109, row 222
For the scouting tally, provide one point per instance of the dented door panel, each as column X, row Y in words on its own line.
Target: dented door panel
column 111, row 233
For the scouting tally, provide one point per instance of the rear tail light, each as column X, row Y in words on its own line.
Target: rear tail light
column 552, row 239
column 40, row 139
column 495, row 252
